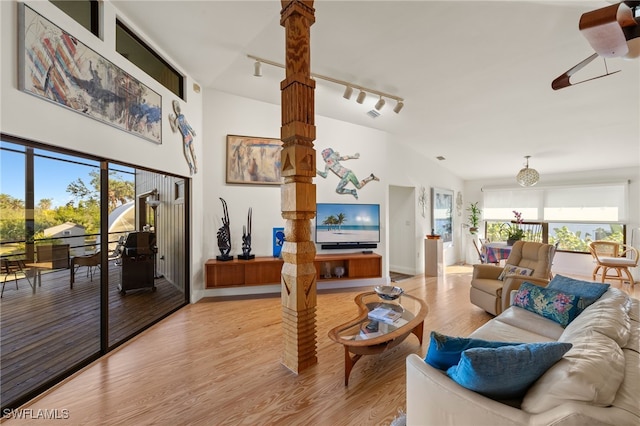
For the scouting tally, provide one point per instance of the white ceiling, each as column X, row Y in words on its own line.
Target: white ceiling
column 476, row 75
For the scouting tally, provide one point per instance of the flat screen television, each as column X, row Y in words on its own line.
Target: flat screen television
column 342, row 225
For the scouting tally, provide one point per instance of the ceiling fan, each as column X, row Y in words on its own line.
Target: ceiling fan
column 613, row 32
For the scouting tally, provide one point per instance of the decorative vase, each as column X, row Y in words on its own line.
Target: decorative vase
column 510, row 242
column 327, row 270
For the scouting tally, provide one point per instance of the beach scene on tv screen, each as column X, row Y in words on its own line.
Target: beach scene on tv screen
column 347, row 223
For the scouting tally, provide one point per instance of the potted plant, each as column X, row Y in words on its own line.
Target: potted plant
column 515, row 231
column 474, row 217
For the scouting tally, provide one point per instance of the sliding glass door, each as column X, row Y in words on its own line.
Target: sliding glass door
column 73, row 284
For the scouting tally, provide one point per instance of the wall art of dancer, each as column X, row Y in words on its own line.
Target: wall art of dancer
column 332, row 163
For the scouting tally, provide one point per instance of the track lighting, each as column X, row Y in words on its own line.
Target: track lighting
column 348, row 87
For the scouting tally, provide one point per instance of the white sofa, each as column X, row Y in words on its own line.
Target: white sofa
column 597, row 381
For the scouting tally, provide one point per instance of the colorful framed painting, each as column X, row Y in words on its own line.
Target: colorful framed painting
column 253, row 160
column 442, row 213
column 57, row 67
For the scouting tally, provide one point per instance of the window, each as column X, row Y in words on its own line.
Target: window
column 136, row 51
column 85, row 12
column 575, row 215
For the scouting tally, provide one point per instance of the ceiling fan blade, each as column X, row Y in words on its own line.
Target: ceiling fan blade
column 563, row 81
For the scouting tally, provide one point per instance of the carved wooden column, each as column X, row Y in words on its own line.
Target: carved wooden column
column 298, row 196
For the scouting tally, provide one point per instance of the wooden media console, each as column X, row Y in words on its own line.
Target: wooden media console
column 266, row 270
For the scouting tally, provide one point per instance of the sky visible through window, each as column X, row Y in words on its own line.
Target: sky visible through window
column 52, row 176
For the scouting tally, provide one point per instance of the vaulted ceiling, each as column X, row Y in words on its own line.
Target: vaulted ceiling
column 475, row 75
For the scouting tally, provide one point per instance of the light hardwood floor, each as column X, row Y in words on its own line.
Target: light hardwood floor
column 217, row 362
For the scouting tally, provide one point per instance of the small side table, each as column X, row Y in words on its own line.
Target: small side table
column 433, row 258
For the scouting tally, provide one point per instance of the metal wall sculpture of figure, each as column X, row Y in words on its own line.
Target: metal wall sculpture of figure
column 332, row 162
column 246, row 239
column 224, row 235
column 179, row 123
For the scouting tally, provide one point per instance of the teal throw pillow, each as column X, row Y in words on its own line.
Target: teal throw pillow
column 555, row 305
column 506, row 372
column 589, row 291
column 444, row 351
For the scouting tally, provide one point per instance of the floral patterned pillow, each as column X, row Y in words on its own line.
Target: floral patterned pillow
column 555, row 305
column 514, row 270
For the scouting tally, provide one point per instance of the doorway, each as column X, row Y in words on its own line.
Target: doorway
column 404, row 252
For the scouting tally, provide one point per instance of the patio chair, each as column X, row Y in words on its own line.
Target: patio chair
column 612, row 256
column 13, row 268
column 91, row 261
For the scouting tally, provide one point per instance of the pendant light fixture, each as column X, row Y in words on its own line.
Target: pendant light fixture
column 527, row 176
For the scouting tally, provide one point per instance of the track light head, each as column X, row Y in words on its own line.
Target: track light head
column 361, row 96
column 398, row 107
column 348, row 91
column 257, row 69
column 380, row 103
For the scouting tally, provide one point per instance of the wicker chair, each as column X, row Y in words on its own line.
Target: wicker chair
column 612, row 256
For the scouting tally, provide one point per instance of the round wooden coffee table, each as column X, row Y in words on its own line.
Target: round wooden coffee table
column 363, row 336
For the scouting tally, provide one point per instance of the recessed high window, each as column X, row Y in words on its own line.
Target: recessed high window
column 136, row 51
column 85, row 12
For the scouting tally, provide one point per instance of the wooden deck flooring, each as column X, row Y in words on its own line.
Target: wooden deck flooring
column 47, row 333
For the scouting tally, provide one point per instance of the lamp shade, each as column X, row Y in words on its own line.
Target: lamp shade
column 527, row 176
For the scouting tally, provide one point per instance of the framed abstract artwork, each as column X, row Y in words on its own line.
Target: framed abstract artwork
column 57, row 67
column 253, row 160
column 442, row 213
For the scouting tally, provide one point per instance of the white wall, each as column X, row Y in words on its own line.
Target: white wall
column 572, row 263
column 379, row 154
column 33, row 118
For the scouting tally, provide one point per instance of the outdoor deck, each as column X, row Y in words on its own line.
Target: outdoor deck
column 46, row 333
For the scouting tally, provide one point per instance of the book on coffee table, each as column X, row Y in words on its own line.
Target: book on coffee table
column 385, row 315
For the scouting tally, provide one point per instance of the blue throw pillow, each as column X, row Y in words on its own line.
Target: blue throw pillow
column 589, row 291
column 555, row 305
column 444, row 351
column 508, row 371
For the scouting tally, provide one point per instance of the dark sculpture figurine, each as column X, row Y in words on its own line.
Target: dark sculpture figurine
column 224, row 235
column 246, row 239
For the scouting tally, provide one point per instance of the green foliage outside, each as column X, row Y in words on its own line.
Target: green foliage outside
column 83, row 210
column 568, row 240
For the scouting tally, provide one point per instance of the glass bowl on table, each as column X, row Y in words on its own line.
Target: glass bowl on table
column 388, row 292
